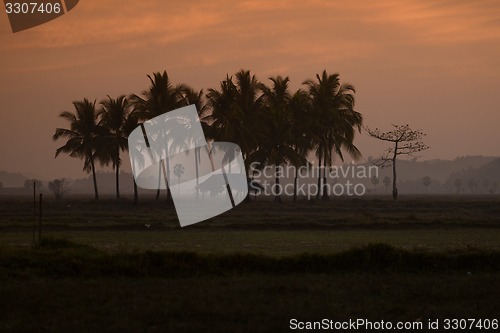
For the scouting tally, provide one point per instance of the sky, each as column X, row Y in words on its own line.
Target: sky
column 432, row 64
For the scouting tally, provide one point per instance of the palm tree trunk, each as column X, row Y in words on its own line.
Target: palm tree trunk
column 295, row 183
column 96, row 192
column 277, row 189
column 118, row 175
column 169, row 194
column 248, row 198
column 318, row 193
column 197, row 173
column 136, row 196
column 159, row 183
column 325, row 184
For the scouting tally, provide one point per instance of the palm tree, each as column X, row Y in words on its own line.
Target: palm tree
column 131, row 123
column 193, row 97
column 250, row 101
column 335, row 128
column 113, row 115
column 162, row 96
column 302, row 136
column 275, row 140
column 85, row 137
column 235, row 109
column 225, row 118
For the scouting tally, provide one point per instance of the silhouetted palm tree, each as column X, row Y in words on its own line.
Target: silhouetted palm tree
column 302, row 130
column 275, row 136
column 131, row 123
column 333, row 108
column 162, row 96
column 193, row 97
column 113, row 115
column 234, row 111
column 85, row 137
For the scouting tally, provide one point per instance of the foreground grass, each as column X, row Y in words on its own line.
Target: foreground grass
column 67, row 287
column 276, row 243
column 60, row 258
column 241, row 303
column 249, row 270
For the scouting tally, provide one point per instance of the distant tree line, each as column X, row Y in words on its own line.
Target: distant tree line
column 271, row 124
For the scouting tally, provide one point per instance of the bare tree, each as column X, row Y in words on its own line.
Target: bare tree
column 405, row 140
column 59, row 187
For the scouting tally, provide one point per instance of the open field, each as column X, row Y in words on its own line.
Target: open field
column 433, row 223
column 249, row 270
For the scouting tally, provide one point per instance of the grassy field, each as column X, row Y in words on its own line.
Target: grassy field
column 435, row 223
column 249, row 270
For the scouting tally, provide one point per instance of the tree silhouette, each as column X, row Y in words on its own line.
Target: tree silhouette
column 59, row 187
column 269, row 124
column 336, row 121
column 113, row 115
column 86, row 138
column 131, row 123
column 235, row 110
column 274, row 138
column 301, row 131
column 426, row 181
column 193, row 97
column 162, row 96
column 405, row 142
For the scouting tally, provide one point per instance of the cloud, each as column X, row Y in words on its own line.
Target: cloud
column 438, row 21
column 123, row 24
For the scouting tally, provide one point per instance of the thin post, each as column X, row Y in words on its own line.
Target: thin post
column 34, row 211
column 40, row 220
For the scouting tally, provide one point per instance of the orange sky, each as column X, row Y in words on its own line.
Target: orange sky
column 432, row 64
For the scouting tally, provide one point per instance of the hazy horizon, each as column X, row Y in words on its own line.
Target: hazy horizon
column 434, row 66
